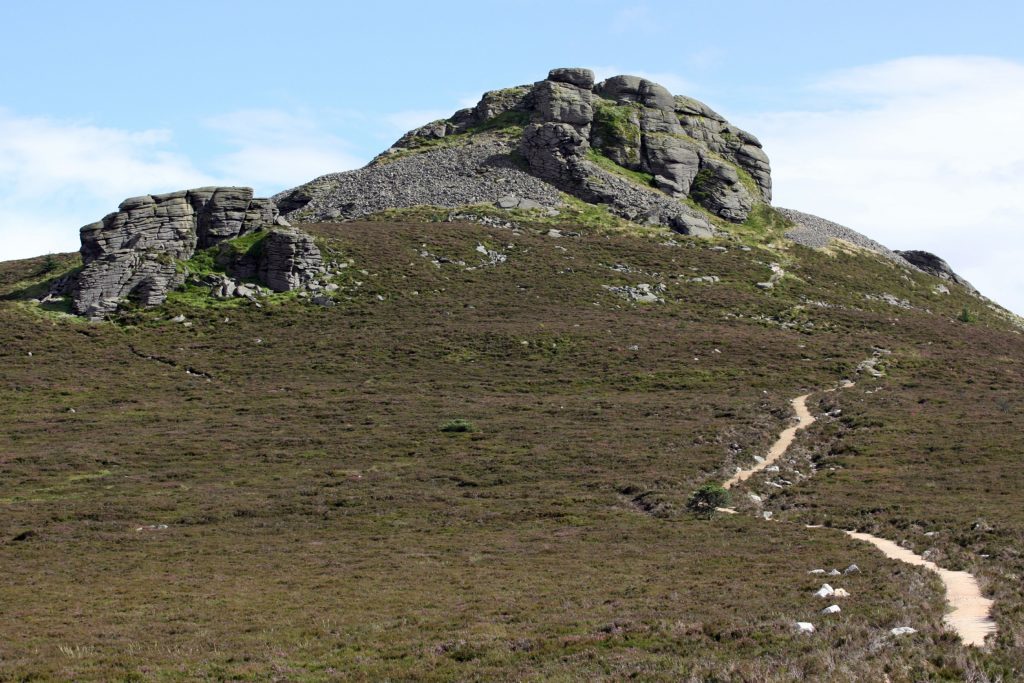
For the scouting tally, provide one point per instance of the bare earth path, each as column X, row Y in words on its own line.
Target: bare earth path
column 971, row 617
column 781, row 445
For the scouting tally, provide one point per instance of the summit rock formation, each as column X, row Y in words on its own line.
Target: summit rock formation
column 626, row 143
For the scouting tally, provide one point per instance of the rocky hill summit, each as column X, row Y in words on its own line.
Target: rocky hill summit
column 624, row 148
column 626, row 143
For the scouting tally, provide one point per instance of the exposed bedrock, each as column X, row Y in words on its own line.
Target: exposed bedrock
column 625, row 142
column 933, row 265
column 136, row 252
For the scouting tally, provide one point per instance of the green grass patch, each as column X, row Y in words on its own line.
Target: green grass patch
column 638, row 177
column 509, row 124
column 458, row 426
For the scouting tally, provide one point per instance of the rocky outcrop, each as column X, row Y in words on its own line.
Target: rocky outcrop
column 595, row 141
column 737, row 146
column 933, row 265
column 289, row 260
column 135, row 252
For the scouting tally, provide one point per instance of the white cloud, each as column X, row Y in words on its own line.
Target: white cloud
column 58, row 175
column 676, row 84
column 922, row 153
column 276, row 150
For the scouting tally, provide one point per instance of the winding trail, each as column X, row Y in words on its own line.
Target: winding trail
column 971, row 616
column 781, row 445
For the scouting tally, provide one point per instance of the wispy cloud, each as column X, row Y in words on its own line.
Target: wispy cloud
column 275, row 149
column 918, row 153
column 57, row 175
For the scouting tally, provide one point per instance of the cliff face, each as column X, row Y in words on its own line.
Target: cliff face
column 626, row 143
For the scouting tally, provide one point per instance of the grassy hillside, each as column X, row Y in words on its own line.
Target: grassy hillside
column 270, row 493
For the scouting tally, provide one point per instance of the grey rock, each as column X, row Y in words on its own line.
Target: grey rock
column 673, row 162
column 498, row 102
column 289, row 260
column 816, row 232
column 581, row 78
column 483, row 171
column 548, row 149
column 933, row 265
column 659, row 121
column 655, row 96
column 621, row 89
column 507, row 202
column 736, row 146
column 563, row 103
column 632, row 121
column 717, row 187
column 903, row 631
column 134, row 252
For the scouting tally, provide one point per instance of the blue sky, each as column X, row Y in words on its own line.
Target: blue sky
column 903, row 122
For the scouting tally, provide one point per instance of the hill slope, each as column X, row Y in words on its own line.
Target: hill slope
column 471, row 457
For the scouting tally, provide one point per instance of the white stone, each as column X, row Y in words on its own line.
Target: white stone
column 832, row 609
column 805, row 626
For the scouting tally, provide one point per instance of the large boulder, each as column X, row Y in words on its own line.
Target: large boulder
column 581, row 78
column 620, row 89
column 563, row 103
column 673, row 162
column 717, row 186
column 288, row 260
column 933, row 265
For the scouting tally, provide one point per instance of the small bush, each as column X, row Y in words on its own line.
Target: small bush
column 456, row 426
column 965, row 316
column 50, row 264
column 707, row 498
